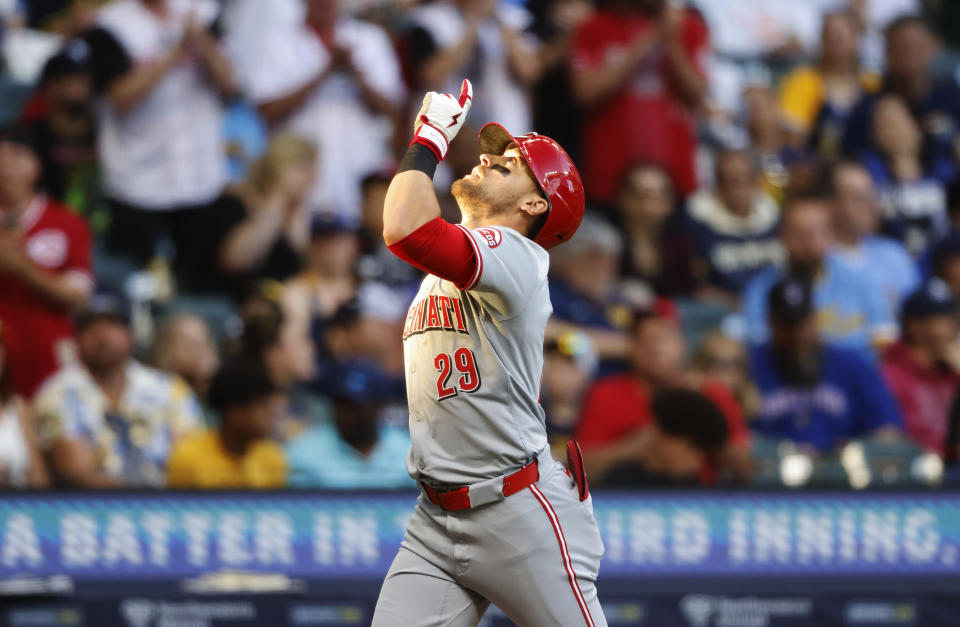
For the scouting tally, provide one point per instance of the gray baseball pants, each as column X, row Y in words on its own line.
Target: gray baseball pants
column 535, row 554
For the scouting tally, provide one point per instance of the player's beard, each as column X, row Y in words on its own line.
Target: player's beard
column 475, row 201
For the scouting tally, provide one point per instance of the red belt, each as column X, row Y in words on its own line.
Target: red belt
column 459, row 498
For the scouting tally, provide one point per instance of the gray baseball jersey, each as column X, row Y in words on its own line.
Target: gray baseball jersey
column 474, row 358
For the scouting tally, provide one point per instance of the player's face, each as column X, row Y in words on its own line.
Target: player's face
column 498, row 185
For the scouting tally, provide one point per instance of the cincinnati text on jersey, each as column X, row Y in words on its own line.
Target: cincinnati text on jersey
column 435, row 313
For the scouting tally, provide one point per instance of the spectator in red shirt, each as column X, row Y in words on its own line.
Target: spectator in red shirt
column 44, row 266
column 638, row 72
column 923, row 368
column 617, row 410
column 686, row 428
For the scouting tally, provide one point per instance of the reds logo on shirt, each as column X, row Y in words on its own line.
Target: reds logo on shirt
column 48, row 248
column 492, row 236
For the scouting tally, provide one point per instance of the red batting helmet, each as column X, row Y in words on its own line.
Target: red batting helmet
column 555, row 173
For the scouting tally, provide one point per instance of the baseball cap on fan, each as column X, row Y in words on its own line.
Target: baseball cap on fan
column 74, row 58
column 324, row 224
column 946, row 249
column 934, row 298
column 790, row 301
column 104, row 304
column 359, row 382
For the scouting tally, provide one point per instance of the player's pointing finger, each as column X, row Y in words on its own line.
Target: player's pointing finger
column 466, row 92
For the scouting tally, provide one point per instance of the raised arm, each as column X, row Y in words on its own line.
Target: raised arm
column 412, row 226
column 689, row 79
column 591, row 85
column 208, row 51
column 411, row 200
column 68, row 290
column 280, row 108
column 129, row 90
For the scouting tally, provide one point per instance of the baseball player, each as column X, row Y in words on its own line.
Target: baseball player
column 498, row 520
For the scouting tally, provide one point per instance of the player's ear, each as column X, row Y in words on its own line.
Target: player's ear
column 534, row 204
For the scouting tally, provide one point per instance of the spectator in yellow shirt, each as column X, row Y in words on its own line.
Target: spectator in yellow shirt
column 816, row 99
column 240, row 453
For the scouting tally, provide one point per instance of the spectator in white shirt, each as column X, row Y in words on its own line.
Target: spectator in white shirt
column 162, row 76
column 745, row 34
column 334, row 81
column 486, row 41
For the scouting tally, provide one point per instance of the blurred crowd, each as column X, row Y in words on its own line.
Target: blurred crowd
column 195, row 293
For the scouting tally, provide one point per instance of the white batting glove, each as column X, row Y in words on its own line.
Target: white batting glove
column 440, row 118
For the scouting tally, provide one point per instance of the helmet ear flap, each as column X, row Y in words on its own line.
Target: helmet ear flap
column 538, row 224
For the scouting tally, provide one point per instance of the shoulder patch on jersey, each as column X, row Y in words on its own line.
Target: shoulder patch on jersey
column 492, row 235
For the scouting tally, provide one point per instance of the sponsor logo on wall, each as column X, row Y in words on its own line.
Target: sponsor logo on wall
column 45, row 617
column 150, row 613
column 704, row 610
column 881, row 613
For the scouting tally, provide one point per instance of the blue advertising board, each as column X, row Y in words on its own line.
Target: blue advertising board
column 311, row 535
column 702, row 559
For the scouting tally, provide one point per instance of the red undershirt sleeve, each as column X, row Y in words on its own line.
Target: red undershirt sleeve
column 441, row 249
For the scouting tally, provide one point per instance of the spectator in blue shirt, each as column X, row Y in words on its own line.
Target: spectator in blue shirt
column 812, row 392
column 935, row 104
column 732, row 229
column 355, row 449
column 850, row 308
column 856, row 217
